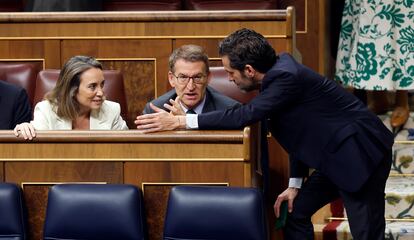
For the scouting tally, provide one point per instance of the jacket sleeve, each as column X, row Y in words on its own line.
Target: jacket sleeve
column 22, row 109
column 280, row 90
column 118, row 123
column 41, row 116
column 147, row 109
column 297, row 169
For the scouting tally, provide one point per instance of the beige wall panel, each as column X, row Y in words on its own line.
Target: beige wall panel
column 139, row 83
column 157, row 179
column 138, row 48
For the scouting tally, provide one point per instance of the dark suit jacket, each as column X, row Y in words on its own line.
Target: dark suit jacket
column 214, row 101
column 318, row 123
column 14, row 105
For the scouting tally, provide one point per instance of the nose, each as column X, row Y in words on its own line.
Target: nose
column 191, row 85
column 99, row 91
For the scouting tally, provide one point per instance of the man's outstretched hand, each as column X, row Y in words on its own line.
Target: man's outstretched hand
column 161, row 120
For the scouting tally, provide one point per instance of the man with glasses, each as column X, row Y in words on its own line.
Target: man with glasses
column 189, row 76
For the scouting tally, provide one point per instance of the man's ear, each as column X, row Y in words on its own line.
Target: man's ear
column 249, row 71
column 171, row 79
column 209, row 75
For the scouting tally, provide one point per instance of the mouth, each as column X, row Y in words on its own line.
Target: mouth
column 191, row 96
column 97, row 101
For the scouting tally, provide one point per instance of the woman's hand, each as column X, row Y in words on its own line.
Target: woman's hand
column 25, row 130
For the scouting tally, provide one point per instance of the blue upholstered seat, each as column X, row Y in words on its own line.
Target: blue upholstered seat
column 219, row 213
column 12, row 217
column 95, row 211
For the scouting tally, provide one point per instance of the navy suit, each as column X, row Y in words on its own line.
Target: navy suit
column 214, row 101
column 321, row 126
column 14, row 105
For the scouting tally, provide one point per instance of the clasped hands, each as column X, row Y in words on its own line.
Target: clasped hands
column 162, row 120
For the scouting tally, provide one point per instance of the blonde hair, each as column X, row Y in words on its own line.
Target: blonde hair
column 63, row 95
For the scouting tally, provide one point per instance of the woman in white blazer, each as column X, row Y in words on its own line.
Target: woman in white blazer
column 76, row 102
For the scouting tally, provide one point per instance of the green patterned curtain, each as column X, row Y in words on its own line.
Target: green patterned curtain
column 376, row 45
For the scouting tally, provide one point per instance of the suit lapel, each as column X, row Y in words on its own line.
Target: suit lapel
column 209, row 105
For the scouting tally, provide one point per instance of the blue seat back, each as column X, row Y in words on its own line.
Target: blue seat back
column 95, row 211
column 12, row 214
column 219, row 213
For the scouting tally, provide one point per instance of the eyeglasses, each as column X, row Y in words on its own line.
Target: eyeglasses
column 197, row 79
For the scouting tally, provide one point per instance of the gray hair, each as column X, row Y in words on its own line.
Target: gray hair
column 190, row 53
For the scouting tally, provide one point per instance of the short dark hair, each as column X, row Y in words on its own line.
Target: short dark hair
column 246, row 46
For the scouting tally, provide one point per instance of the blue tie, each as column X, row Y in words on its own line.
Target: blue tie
column 190, row 111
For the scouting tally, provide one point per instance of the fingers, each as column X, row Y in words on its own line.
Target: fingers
column 144, row 117
column 176, row 102
column 170, row 108
column 276, row 207
column 151, row 130
column 175, row 107
column 16, row 130
column 148, row 123
column 144, row 123
column 161, row 121
column 155, row 108
column 26, row 130
column 290, row 204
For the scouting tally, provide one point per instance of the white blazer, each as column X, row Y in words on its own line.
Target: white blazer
column 106, row 118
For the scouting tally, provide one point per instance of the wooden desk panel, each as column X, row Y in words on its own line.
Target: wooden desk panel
column 152, row 162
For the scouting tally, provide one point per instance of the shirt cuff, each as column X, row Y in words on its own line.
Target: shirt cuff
column 295, row 182
column 191, row 121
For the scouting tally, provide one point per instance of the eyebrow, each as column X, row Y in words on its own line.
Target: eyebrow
column 182, row 74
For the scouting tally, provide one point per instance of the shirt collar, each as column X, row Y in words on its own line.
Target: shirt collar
column 199, row 108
